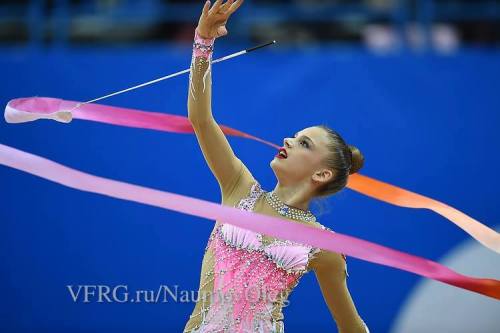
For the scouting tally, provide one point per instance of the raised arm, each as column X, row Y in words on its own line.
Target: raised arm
column 222, row 161
column 330, row 270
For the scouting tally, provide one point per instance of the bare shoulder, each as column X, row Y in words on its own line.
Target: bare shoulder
column 327, row 261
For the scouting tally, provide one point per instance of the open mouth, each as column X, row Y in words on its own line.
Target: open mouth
column 282, row 154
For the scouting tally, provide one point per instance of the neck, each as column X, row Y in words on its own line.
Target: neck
column 296, row 196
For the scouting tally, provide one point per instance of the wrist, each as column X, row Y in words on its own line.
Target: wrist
column 202, row 35
column 202, row 46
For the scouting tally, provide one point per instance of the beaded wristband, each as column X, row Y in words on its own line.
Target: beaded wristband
column 202, row 47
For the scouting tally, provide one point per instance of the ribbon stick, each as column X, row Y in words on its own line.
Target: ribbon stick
column 29, row 109
column 260, row 223
column 185, row 71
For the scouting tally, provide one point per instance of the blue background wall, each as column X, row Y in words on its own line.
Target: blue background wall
column 427, row 123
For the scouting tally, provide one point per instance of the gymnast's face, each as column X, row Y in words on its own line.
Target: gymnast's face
column 306, row 152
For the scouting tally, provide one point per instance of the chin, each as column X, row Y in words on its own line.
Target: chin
column 271, row 164
column 274, row 163
column 277, row 169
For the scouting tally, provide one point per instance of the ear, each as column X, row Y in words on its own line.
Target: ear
column 323, row 176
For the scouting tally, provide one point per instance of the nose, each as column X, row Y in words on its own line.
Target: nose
column 286, row 143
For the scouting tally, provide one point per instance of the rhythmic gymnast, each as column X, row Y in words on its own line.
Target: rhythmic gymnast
column 246, row 277
column 241, row 260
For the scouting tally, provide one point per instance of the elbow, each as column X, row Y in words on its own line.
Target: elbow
column 193, row 115
column 199, row 115
column 198, row 122
column 358, row 327
column 199, row 112
column 194, row 123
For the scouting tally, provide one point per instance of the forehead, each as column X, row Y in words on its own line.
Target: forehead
column 316, row 134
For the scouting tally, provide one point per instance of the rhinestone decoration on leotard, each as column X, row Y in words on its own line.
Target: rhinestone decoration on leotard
column 242, row 264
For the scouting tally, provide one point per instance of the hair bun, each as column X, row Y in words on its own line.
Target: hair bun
column 358, row 160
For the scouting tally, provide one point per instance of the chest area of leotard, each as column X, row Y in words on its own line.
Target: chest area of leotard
column 290, row 256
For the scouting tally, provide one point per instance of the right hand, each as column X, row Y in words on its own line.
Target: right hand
column 212, row 23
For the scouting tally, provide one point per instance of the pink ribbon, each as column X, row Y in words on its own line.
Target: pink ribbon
column 260, row 223
column 29, row 109
column 21, row 110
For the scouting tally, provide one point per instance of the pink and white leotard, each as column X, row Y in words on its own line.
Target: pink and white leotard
column 249, row 279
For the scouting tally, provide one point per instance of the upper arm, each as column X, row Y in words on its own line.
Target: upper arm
column 330, row 271
column 227, row 168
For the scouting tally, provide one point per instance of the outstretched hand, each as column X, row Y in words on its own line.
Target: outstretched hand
column 212, row 23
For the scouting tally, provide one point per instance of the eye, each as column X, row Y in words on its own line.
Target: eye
column 302, row 141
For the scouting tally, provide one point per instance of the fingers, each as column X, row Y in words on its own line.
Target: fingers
column 217, row 16
column 215, row 7
column 225, row 7
column 235, row 6
column 206, row 7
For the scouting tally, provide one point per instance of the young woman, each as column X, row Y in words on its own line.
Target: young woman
column 246, row 277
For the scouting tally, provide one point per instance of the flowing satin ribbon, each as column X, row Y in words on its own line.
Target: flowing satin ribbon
column 29, row 109
column 256, row 222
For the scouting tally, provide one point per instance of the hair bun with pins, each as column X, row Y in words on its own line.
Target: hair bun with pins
column 358, row 159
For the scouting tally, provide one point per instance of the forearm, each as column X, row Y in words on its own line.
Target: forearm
column 331, row 273
column 345, row 315
column 200, row 81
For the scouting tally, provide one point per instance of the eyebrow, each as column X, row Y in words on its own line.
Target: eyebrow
column 307, row 138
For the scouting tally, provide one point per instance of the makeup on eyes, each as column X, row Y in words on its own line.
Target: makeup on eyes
column 311, row 143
